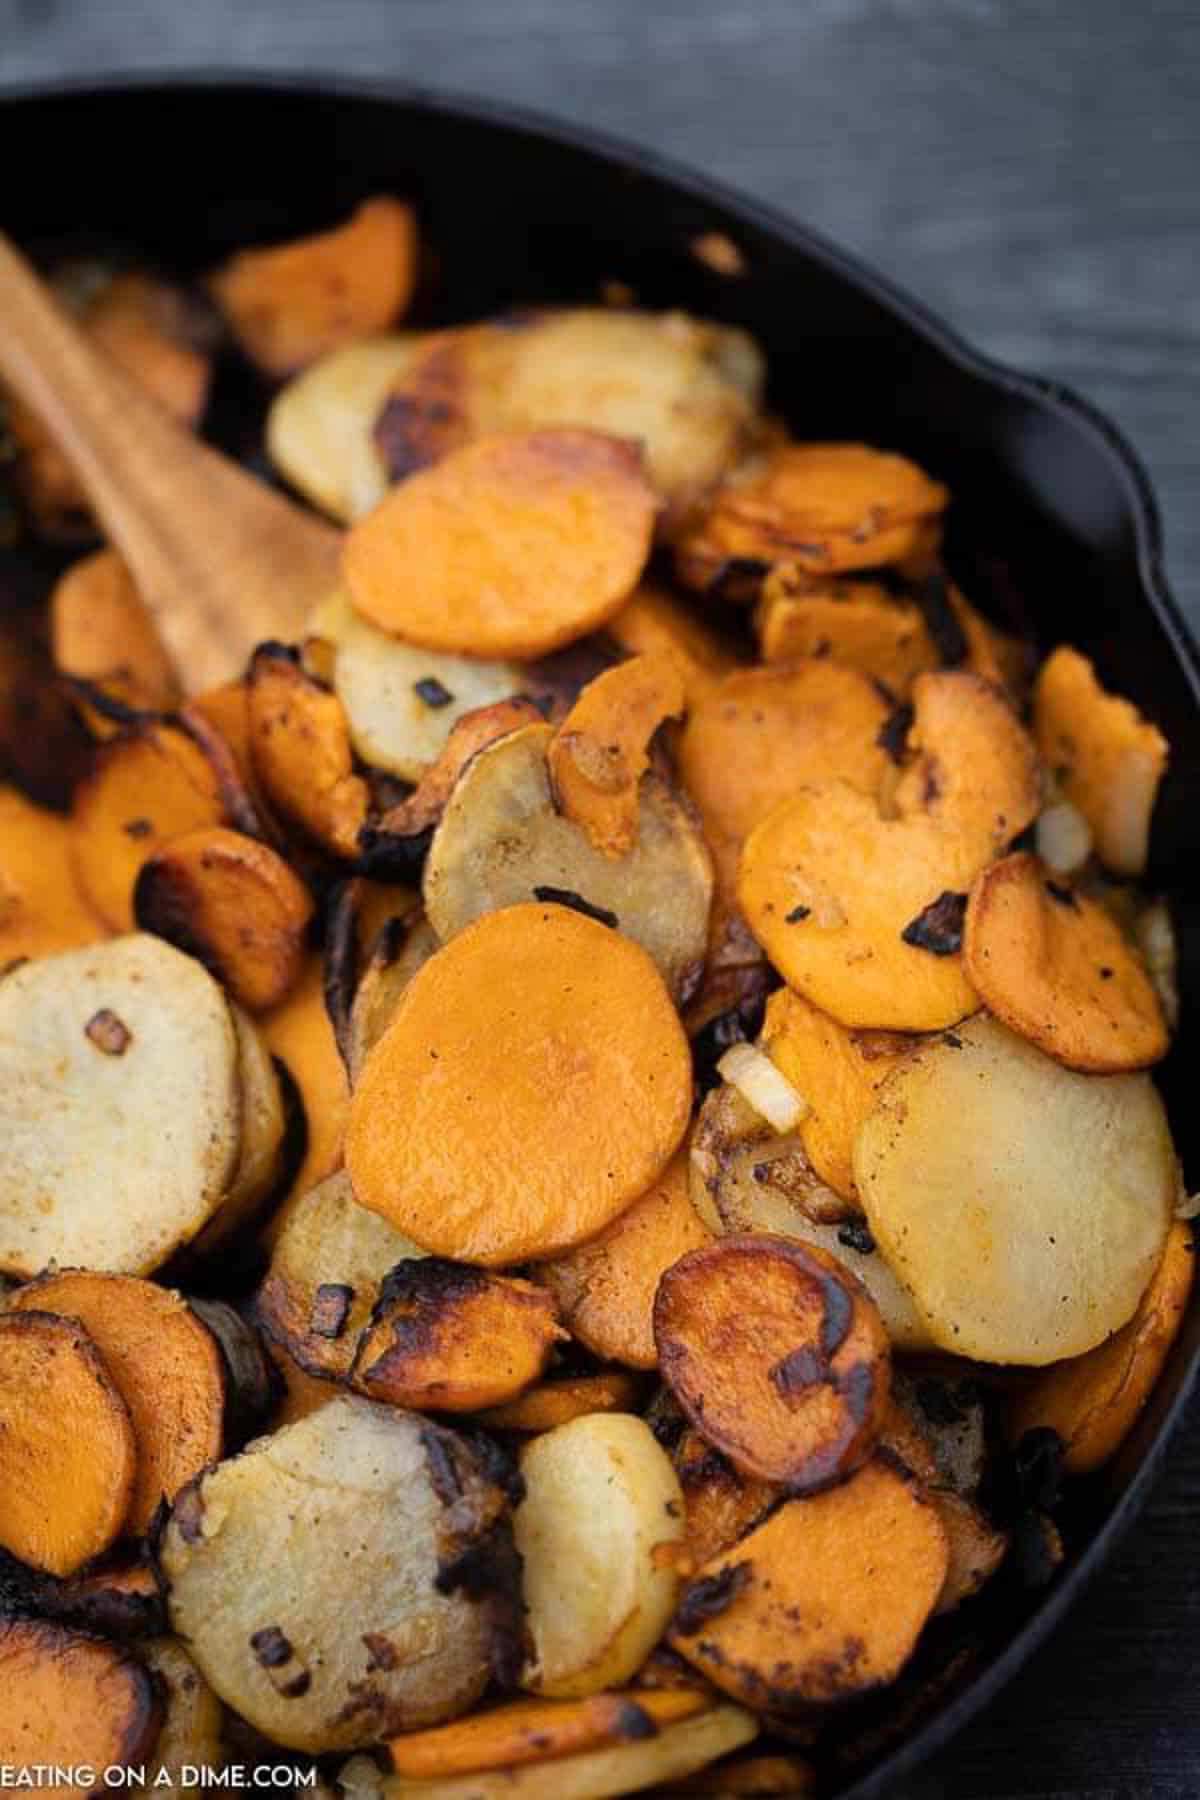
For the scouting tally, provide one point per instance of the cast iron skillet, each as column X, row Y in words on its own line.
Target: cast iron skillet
column 1054, row 525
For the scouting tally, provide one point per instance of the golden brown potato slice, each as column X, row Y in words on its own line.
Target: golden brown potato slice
column 190, row 1738
column 116, row 1597
column 562, row 1399
column 605, row 1289
column 445, row 1337
column 1055, row 967
column 68, row 1456
column 600, row 752
column 1023, row 1205
column 1107, row 759
column 653, row 619
column 372, row 1502
column 777, row 1354
column 301, row 748
column 512, row 546
column 860, row 624
column 69, row 1702
column 41, row 907
column 300, row 1034
column 119, row 1106
column 823, row 1601
column 687, row 390
column 1092, row 1401
column 287, row 304
column 395, row 960
column 103, row 632
column 423, row 808
column 501, row 842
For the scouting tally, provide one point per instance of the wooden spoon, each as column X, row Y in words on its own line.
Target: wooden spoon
column 221, row 561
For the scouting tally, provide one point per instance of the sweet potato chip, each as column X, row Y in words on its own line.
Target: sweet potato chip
column 1055, row 967
column 69, row 1702
column 653, row 619
column 1107, row 759
column 823, row 1601
column 533, row 1083
column 117, row 1598
column 600, row 752
column 510, row 547
column 721, row 1503
column 68, row 1456
column 825, row 507
column 558, row 1401
column 605, row 1289
column 234, row 904
column 299, row 1033
column 301, row 749
column 535, row 1731
column 1092, row 1401
column 103, row 632
column 290, row 303
column 860, row 624
column 777, row 1354
column 41, row 908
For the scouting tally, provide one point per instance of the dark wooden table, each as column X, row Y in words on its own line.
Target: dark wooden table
column 1032, row 169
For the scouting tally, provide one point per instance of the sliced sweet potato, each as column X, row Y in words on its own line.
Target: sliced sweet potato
column 533, row 1083
column 512, row 546
column 300, row 1034
column 301, row 1393
column 1092, row 1401
column 653, row 619
column 860, row 624
column 68, row 1455
column 290, row 303
column 117, row 1598
column 70, row 1702
column 165, row 1364
column 501, row 841
column 472, row 732
column 777, row 1354
column 193, row 1722
column 823, row 1601
column 685, row 389
column 1023, row 1205
column 1055, row 967
column 605, row 1289
column 535, row 1731
column 445, row 1337
column 562, row 1399
column 147, row 785
column 976, row 1546
column 119, row 1106
column 41, row 907
column 825, row 507
column 837, row 1071
column 974, row 769
column 790, row 1776
column 601, row 750
column 300, row 744
column 1107, row 759
column 103, row 632
column 234, row 904
column 721, row 1503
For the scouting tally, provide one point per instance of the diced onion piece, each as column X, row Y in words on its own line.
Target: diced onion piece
column 1064, row 837
column 762, row 1086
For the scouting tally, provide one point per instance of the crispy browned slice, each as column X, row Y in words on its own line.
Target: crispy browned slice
column 605, row 1289
column 825, row 507
column 534, row 1731
column 69, row 1702
column 1092, row 1401
column 165, row 1364
column 446, row 1337
column 147, row 785
column 565, row 1397
column 512, row 546
column 287, row 304
column 777, row 1354
column 722, row 1504
column 193, row 1725
column 117, row 1598
column 233, row 903
column 41, row 907
column 1057, row 968
column 792, row 1776
column 102, row 631
column 300, row 1034
column 601, row 750
column 975, row 1546
column 1107, row 759
column 745, row 1175
column 472, row 732
column 300, row 745
column 823, row 1601
column 68, row 1457
column 393, row 963
column 858, row 623
column 653, row 619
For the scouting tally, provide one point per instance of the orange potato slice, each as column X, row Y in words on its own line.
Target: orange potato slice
column 511, row 546
column 777, row 1354
column 721, row 1504
column 534, row 1731
column 600, row 752
column 102, row 631
column 859, row 624
column 653, row 619
column 565, row 1397
column 1055, row 967
column 41, row 908
column 533, row 1083
column 300, row 744
column 71, row 1702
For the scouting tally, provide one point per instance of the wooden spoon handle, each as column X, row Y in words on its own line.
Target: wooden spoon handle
column 194, row 529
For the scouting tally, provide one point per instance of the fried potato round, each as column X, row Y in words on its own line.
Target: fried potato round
column 68, row 1702
column 533, row 1083
column 823, row 1601
column 446, row 1337
column 653, row 619
column 1023, row 1205
column 600, row 752
column 165, row 1364
column 393, row 963
column 68, row 1455
column 558, row 1401
column 777, row 1354
column 300, row 744
column 421, row 810
column 300, row 1034
column 605, row 1289
column 745, row 1175
column 974, row 767
column 825, row 507
column 859, row 624
column 722, row 1504
column 1055, row 967
column 103, row 632
column 535, row 1731
column 1093, row 1401
column 41, row 907
column 194, row 1721
column 501, row 841
column 1107, row 759
column 512, row 546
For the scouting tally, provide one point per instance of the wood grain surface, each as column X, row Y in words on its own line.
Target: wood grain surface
column 1031, row 169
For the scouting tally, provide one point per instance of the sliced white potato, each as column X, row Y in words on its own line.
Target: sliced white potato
column 602, row 1509
column 120, row 1106
column 321, row 423
column 401, row 701
column 383, row 981
column 190, row 1738
column 1023, row 1205
column 260, row 1157
column 500, row 841
column 313, row 1577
